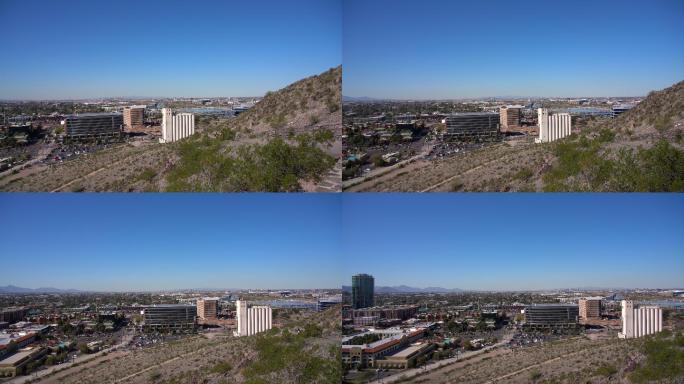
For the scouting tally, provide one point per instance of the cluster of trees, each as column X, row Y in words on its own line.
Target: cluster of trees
column 276, row 166
column 585, row 164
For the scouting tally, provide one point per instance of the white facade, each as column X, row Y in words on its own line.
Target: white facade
column 176, row 126
column 252, row 320
column 552, row 127
column 641, row 321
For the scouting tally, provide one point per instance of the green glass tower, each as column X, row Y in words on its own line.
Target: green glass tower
column 363, row 291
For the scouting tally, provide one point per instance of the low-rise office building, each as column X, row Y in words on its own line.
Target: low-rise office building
column 471, row 125
column 509, row 116
column 406, row 358
column 366, row 355
column 93, row 125
column 551, row 315
column 15, row 364
column 169, row 317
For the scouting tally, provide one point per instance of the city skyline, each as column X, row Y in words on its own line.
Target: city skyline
column 449, row 50
column 519, row 242
column 141, row 242
column 170, row 49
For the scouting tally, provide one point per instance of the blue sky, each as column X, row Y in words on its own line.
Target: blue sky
column 170, row 241
column 515, row 241
column 452, row 49
column 82, row 48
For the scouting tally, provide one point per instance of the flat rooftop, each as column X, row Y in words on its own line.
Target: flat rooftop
column 404, row 353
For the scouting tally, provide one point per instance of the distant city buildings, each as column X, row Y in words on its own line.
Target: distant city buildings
column 134, row 116
column 12, row 315
column 553, row 127
column 619, row 109
column 509, row 116
column 207, row 308
column 551, row 315
column 363, row 291
column 640, row 321
column 176, row 126
column 93, row 125
column 471, row 125
column 169, row 317
column 252, row 320
column 391, row 342
column 324, row 303
column 590, row 308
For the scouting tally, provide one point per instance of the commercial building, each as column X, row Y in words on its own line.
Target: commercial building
column 472, row 125
column 553, row 127
column 640, row 321
column 134, row 116
column 15, row 364
column 402, row 312
column 590, row 308
column 363, row 291
column 93, row 125
column 176, row 126
column 551, row 315
column 252, row 320
column 509, row 116
column 207, row 308
column 169, row 317
column 391, row 342
column 405, row 358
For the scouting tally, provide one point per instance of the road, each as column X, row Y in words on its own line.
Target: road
column 409, row 373
column 125, row 339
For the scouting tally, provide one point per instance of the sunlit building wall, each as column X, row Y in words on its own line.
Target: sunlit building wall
column 176, row 126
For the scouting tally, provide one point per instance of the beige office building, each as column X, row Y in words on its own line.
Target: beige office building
column 134, row 117
column 590, row 308
column 509, row 116
column 207, row 308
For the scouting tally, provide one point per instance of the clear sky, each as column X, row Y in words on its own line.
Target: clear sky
column 438, row 49
column 170, row 241
column 84, row 48
column 515, row 241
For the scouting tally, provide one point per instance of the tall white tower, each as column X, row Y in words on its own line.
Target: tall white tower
column 252, row 320
column 176, row 126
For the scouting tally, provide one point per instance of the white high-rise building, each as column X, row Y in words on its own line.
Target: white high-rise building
column 176, row 126
column 552, row 127
column 641, row 321
column 252, row 320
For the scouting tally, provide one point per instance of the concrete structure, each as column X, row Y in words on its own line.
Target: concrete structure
column 590, row 308
column 93, row 125
column 15, row 364
column 207, row 308
column 176, row 126
column 169, row 317
column 134, row 116
column 640, row 321
column 553, row 127
column 471, row 125
column 402, row 312
column 551, row 315
column 363, row 291
column 252, row 320
column 509, row 116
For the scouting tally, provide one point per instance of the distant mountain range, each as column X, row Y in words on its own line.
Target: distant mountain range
column 15, row 289
column 407, row 289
